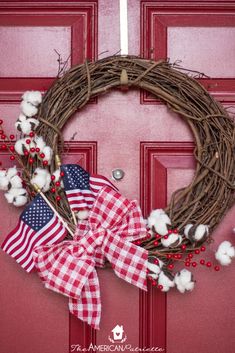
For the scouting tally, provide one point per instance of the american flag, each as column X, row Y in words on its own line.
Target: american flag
column 81, row 187
column 38, row 225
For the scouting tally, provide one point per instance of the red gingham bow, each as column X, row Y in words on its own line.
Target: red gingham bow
column 69, row 267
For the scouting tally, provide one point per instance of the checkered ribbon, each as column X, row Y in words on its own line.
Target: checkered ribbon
column 69, row 267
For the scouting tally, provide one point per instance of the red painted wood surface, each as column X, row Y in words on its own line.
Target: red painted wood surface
column 152, row 145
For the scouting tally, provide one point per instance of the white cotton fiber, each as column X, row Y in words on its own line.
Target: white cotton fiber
column 28, row 109
column 33, row 97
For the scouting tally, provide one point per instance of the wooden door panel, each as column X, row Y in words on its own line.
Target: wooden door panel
column 33, row 319
column 198, row 37
column 190, row 32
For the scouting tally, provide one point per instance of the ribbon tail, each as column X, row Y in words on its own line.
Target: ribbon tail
column 129, row 261
column 88, row 306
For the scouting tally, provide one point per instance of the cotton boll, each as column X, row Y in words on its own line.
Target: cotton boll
column 42, row 179
column 225, row 253
column 186, row 229
column 155, row 269
column 158, row 213
column 202, row 232
column 28, row 109
column 196, row 233
column 48, row 154
column 34, row 123
column 21, row 146
column 25, row 127
column 28, row 125
column 3, row 173
column 39, row 143
column 4, row 182
column 83, row 214
column 20, row 201
column 184, row 281
column 9, row 197
column 166, row 281
column 161, row 227
column 33, row 97
column 16, row 182
column 19, row 121
column 11, row 172
column 173, row 240
column 159, row 220
column 15, row 195
column 56, row 175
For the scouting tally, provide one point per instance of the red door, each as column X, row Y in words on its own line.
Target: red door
column 131, row 131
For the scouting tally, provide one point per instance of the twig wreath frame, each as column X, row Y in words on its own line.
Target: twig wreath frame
column 211, row 192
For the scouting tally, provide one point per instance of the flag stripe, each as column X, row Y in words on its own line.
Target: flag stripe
column 38, row 225
column 12, row 236
column 50, row 239
column 33, row 239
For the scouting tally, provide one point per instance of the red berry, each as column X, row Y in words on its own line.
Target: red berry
column 194, row 264
column 175, row 231
column 179, row 256
column 155, row 243
column 149, row 236
column 4, row 147
column 202, row 262
column 31, row 160
column 170, row 231
column 28, row 141
column 45, row 162
column 160, row 287
column 171, row 266
column 57, row 183
column 37, row 149
column 187, row 263
column 42, row 155
column 32, row 149
column 156, row 261
column 183, row 247
column 26, row 153
column 154, row 283
column 197, row 251
column 217, row 268
column 12, row 148
column 62, row 174
column 31, row 134
column 169, row 256
column 203, row 248
column 3, row 137
column 58, row 198
column 208, row 264
column 12, row 158
column 12, row 137
column 1, row 121
column 53, row 190
column 190, row 255
column 157, row 236
column 165, row 237
column 1, row 132
column 52, row 177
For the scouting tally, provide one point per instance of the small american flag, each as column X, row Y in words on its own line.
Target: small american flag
column 81, row 187
column 38, row 225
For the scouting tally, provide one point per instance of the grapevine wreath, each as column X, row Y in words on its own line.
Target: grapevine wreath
column 175, row 234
